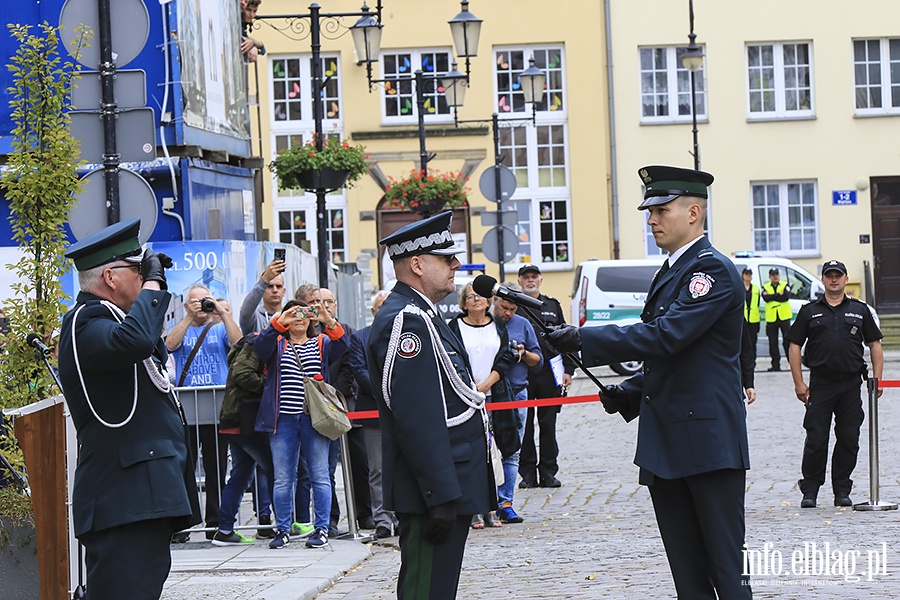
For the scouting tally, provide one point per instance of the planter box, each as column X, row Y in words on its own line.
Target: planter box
column 325, row 178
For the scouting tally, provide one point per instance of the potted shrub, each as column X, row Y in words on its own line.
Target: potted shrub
column 335, row 165
column 426, row 194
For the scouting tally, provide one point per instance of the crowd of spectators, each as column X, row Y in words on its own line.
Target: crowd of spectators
column 262, row 361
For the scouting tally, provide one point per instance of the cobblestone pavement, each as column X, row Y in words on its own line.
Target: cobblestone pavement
column 596, row 537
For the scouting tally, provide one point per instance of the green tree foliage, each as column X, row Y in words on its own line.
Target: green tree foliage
column 39, row 183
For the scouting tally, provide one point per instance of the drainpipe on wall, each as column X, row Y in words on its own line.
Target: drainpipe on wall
column 614, row 178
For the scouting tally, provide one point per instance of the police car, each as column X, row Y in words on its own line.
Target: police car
column 613, row 292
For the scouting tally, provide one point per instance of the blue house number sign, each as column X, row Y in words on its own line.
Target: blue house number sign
column 843, row 197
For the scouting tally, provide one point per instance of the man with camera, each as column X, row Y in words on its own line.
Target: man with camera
column 200, row 348
column 196, row 329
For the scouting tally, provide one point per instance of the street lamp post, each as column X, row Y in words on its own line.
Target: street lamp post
column 532, row 81
column 693, row 62
column 366, row 33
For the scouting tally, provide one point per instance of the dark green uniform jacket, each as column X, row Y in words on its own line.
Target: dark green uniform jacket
column 141, row 470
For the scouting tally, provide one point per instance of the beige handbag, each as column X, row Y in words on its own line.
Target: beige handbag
column 325, row 407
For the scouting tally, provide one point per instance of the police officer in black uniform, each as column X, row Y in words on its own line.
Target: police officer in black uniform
column 692, row 434
column 436, row 469
column 542, row 383
column 133, row 485
column 834, row 328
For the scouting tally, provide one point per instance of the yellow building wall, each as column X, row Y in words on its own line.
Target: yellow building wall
column 835, row 148
column 417, row 24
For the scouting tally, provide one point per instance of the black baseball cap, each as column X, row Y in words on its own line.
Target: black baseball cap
column 529, row 267
column 834, row 265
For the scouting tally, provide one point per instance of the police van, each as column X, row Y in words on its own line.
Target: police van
column 613, row 292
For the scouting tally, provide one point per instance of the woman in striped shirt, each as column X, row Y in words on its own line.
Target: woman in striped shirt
column 292, row 350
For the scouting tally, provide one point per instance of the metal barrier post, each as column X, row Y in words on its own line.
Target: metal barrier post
column 874, row 502
column 349, row 495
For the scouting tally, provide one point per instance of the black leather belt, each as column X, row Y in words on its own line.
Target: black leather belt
column 829, row 375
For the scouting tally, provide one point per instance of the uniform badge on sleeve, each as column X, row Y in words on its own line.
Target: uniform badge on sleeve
column 700, row 285
column 409, row 345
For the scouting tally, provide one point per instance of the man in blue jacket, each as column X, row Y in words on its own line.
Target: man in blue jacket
column 134, row 485
column 692, row 434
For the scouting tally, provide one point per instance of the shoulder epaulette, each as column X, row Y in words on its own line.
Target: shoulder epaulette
column 705, row 253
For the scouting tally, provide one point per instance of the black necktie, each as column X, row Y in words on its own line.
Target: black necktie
column 663, row 269
column 659, row 275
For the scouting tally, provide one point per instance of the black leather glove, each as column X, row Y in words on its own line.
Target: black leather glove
column 565, row 339
column 614, row 399
column 153, row 267
column 441, row 519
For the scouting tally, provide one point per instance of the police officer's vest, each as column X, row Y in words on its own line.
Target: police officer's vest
column 777, row 311
column 751, row 312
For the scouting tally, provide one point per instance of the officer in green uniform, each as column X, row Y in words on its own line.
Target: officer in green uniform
column 133, row 484
column 776, row 294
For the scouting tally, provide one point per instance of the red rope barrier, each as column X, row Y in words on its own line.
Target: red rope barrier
column 559, row 401
column 373, row 414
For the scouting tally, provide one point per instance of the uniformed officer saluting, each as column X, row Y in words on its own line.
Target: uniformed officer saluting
column 133, row 485
column 436, row 473
column 834, row 328
column 692, row 433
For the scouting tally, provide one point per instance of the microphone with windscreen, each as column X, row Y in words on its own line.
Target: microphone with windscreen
column 34, row 340
column 487, row 286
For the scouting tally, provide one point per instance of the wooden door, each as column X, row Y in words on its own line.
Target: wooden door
column 886, row 242
column 390, row 220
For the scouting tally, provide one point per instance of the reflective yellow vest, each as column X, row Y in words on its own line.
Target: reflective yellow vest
column 751, row 313
column 777, row 311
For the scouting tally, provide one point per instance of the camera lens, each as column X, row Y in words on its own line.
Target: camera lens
column 207, row 305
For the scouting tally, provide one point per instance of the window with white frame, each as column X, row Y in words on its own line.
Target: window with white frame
column 398, row 98
column 537, row 154
column 298, row 225
column 291, row 98
column 779, row 80
column 876, row 73
column 666, row 86
column 785, row 218
column 291, row 122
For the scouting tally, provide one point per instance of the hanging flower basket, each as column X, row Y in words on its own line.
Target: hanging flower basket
column 427, row 194
column 335, row 165
column 325, row 178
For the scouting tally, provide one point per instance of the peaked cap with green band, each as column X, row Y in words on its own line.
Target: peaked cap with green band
column 119, row 241
column 664, row 184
